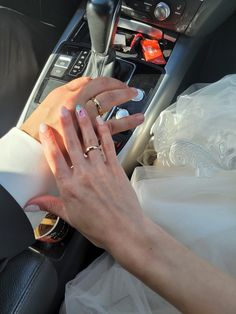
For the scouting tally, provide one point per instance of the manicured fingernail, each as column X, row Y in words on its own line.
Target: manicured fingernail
column 43, row 128
column 78, row 107
column 32, row 208
column 100, row 121
column 64, row 112
column 80, row 111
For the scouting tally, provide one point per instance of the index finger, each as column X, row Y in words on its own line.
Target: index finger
column 98, row 86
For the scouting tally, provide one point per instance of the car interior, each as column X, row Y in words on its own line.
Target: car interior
column 70, row 39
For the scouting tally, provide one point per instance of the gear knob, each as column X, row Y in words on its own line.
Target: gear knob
column 103, row 18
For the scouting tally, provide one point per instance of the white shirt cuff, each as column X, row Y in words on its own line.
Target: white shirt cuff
column 24, row 171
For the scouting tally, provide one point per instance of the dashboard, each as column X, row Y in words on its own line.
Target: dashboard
column 175, row 15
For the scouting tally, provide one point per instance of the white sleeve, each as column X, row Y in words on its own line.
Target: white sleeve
column 24, row 172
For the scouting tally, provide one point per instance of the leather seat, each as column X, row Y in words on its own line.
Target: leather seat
column 25, row 44
column 28, row 284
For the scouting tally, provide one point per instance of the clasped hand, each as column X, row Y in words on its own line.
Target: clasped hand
column 95, row 195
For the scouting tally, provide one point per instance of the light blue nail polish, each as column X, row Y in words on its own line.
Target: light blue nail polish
column 64, row 112
column 78, row 108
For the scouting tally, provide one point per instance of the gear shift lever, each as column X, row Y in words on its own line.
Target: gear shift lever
column 102, row 18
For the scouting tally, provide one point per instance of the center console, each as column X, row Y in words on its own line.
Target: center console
column 90, row 38
column 79, row 49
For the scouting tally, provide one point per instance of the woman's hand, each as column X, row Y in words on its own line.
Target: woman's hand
column 98, row 200
column 96, row 196
column 108, row 91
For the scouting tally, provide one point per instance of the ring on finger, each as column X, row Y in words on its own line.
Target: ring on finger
column 98, row 106
column 90, row 148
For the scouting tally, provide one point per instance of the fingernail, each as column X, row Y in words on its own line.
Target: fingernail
column 140, row 117
column 43, row 128
column 64, row 112
column 134, row 90
column 100, row 121
column 80, row 111
column 140, row 95
column 32, row 208
column 78, row 107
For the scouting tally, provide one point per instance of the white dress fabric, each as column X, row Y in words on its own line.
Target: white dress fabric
column 190, row 192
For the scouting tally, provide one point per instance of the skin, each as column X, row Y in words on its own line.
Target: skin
column 110, row 92
column 106, row 210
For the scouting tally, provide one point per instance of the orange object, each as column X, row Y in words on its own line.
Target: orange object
column 152, row 51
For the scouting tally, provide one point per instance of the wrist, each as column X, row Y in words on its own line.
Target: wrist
column 134, row 249
column 31, row 129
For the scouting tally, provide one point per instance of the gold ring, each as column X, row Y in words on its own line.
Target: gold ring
column 89, row 148
column 98, row 106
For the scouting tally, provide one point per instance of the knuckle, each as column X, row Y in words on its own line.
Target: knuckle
column 66, row 185
column 60, row 175
column 77, row 83
column 70, row 102
column 109, row 98
column 103, row 80
column 90, row 141
column 70, row 192
column 85, row 178
column 68, row 189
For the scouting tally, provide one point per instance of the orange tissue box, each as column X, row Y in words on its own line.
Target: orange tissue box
column 152, row 51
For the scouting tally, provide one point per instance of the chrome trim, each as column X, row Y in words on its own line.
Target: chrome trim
column 115, row 17
column 164, row 93
column 145, row 29
column 77, row 18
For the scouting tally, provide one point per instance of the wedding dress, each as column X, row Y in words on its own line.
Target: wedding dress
column 190, row 192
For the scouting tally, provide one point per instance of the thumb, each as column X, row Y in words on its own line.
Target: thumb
column 47, row 203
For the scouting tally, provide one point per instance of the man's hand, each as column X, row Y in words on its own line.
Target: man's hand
column 110, row 92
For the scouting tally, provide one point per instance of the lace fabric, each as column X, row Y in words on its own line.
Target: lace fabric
column 199, row 130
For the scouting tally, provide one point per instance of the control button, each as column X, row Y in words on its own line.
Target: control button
column 84, row 55
column 142, row 16
column 177, row 11
column 85, row 52
column 148, row 8
column 78, row 67
column 162, row 11
column 122, row 113
column 63, row 61
column 178, row 7
column 74, row 72
column 58, row 71
column 140, row 96
column 136, row 4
